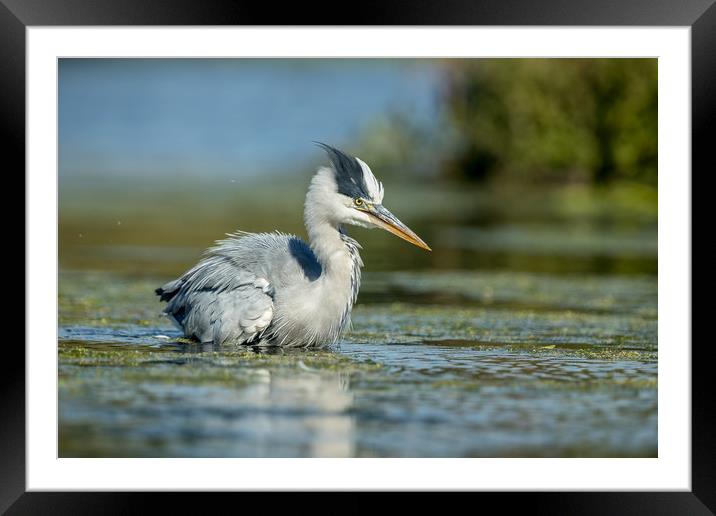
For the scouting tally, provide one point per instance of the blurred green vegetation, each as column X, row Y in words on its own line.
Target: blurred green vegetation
column 553, row 120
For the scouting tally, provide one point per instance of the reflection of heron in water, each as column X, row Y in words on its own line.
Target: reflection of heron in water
column 274, row 289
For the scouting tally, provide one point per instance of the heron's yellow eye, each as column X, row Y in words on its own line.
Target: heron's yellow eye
column 358, row 201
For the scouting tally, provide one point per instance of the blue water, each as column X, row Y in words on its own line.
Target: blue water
column 227, row 116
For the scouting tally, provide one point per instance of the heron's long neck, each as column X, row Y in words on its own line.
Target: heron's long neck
column 336, row 252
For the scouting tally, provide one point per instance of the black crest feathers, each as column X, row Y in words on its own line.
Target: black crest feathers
column 348, row 173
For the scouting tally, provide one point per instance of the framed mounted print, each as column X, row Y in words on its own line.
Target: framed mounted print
column 207, row 310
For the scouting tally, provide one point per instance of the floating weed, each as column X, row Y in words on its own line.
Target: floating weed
column 97, row 354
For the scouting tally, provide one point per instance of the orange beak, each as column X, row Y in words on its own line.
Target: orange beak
column 382, row 218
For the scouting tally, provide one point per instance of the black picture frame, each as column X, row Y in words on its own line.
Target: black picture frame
column 17, row 15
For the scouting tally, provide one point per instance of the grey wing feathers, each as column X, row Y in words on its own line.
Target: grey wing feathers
column 225, row 297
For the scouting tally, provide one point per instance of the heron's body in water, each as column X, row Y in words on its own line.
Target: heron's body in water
column 274, row 289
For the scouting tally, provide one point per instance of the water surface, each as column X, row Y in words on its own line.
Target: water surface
column 467, row 363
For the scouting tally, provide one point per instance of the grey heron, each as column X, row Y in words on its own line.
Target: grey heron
column 274, row 289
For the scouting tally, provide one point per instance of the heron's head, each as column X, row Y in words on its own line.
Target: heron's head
column 349, row 193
